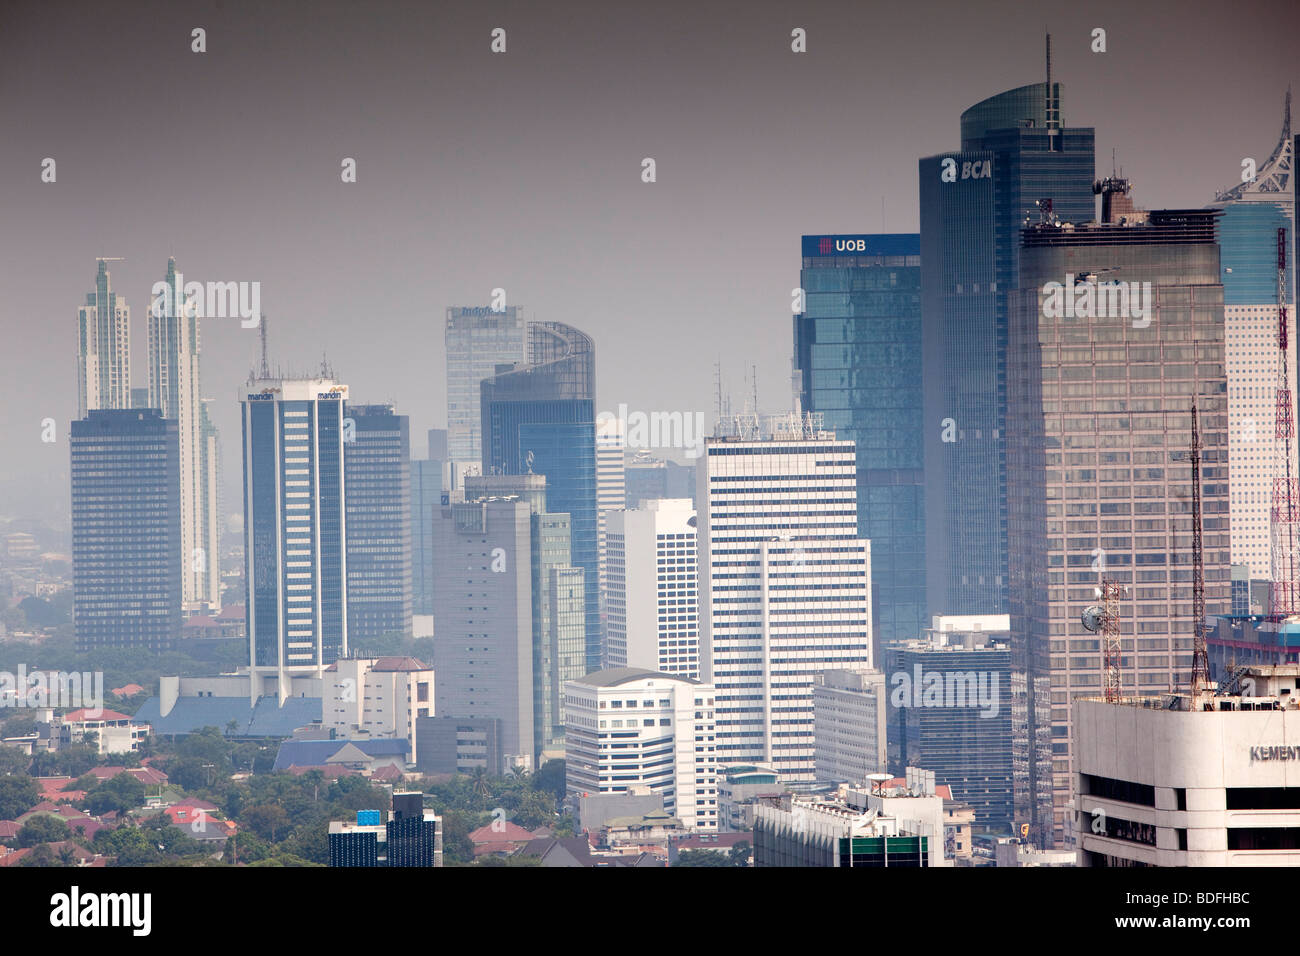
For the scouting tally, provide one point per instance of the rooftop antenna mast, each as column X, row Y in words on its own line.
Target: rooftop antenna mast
column 1050, row 102
column 265, row 371
column 1284, row 517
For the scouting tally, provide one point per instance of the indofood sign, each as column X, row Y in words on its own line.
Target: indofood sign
column 1274, row 753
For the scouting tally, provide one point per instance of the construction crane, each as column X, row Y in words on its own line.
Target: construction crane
column 1283, row 518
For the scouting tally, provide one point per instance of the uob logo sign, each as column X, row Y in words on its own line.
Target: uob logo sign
column 827, row 244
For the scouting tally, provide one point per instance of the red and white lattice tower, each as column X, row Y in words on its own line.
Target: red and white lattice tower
column 1284, row 521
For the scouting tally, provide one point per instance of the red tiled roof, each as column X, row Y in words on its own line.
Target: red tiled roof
column 196, row 803
column 232, row 612
column 484, row 849
column 149, row 776
column 387, row 772
column 504, row 832
column 128, row 690
column 9, row 829
column 201, row 621
column 78, row 716
column 12, row 858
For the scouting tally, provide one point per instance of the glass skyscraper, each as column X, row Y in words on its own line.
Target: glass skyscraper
column 858, row 348
column 376, row 453
column 974, row 202
column 478, row 340
column 294, row 529
column 539, row 418
column 1099, row 476
column 126, row 530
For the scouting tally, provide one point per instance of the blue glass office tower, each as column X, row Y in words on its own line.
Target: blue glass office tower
column 540, row 418
column 126, row 530
column 974, row 202
column 858, row 348
column 377, row 458
column 294, row 529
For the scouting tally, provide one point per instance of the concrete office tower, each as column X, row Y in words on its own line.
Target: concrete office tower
column 295, row 530
column 477, row 340
column 652, row 618
column 1157, row 784
column 483, row 606
column 858, row 353
column 1014, row 152
column 376, row 456
column 428, row 481
column 1253, row 212
column 126, row 534
column 628, row 727
column 611, row 488
column 174, row 388
column 953, row 696
column 103, row 348
column 785, row 586
column 647, row 477
column 558, row 602
column 1116, row 327
column 540, row 418
column 849, row 718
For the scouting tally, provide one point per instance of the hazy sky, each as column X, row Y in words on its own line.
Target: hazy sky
column 522, row 170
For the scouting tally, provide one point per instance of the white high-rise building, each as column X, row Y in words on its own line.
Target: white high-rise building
column 174, row 390
column 611, row 486
column 627, row 727
column 1252, row 212
column 785, row 587
column 1250, row 354
column 652, row 617
column 103, row 348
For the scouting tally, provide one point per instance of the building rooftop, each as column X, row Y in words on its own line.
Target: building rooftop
column 616, row 676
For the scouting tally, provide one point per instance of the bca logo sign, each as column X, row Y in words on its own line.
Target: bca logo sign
column 976, row 169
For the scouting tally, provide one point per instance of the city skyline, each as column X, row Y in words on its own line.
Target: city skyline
column 631, row 255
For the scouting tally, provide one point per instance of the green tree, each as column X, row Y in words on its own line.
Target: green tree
column 41, row 856
column 551, row 779
column 456, row 845
column 245, row 847
column 265, row 819
column 702, row 858
column 740, row 853
column 121, row 793
column 71, row 761
column 19, row 725
column 18, row 794
column 13, row 760
column 43, row 828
